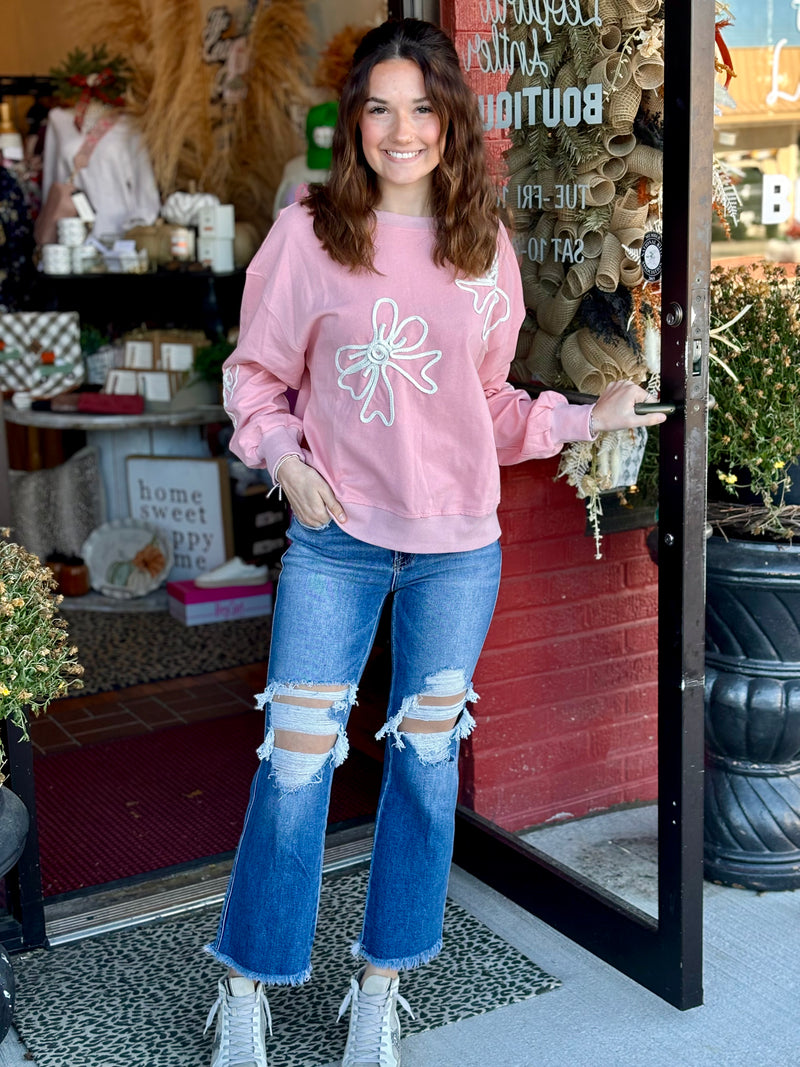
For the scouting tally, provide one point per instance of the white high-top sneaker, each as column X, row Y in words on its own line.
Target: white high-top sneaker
column 373, row 1039
column 242, row 1020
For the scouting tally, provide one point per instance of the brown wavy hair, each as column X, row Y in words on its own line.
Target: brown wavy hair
column 463, row 198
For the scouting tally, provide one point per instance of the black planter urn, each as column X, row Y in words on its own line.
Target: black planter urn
column 752, row 707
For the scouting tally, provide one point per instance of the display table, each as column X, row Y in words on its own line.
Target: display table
column 172, row 433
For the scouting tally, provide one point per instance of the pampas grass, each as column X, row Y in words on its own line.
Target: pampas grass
column 277, row 81
column 337, row 57
column 235, row 150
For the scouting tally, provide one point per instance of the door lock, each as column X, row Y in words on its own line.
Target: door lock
column 673, row 316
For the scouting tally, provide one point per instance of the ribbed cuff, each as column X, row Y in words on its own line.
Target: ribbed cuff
column 571, row 423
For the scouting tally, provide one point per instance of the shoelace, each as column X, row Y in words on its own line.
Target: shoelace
column 372, row 1017
column 240, row 1025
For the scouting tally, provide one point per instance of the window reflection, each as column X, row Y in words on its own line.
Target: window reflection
column 566, row 751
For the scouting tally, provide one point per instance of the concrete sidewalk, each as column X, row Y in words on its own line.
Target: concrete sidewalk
column 599, row 1018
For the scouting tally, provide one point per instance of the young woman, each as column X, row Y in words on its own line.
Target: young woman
column 390, row 300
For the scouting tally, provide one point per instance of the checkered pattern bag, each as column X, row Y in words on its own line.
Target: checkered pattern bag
column 40, row 352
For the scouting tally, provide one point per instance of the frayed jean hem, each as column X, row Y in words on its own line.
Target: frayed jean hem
column 267, row 979
column 403, row 963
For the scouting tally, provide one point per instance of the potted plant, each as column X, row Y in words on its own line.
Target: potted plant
column 37, row 662
column 753, row 586
column 37, row 665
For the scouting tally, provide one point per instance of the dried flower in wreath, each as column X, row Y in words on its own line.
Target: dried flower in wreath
column 725, row 199
column 593, row 468
column 650, row 39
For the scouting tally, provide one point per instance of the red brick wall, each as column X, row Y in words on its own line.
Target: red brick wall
column 567, row 716
column 568, row 676
column 462, row 20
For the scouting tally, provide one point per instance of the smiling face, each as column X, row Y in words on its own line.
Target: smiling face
column 401, row 136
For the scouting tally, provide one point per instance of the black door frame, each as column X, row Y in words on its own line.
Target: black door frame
column 664, row 954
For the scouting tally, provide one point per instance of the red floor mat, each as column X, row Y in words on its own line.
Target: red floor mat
column 121, row 808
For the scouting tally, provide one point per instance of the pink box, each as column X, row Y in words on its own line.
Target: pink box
column 194, row 606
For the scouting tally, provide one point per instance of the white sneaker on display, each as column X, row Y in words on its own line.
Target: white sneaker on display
column 243, row 1018
column 373, row 1039
column 233, row 572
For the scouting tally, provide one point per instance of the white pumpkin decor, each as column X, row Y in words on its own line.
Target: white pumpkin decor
column 183, row 209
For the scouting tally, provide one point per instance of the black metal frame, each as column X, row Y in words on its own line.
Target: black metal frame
column 665, row 955
column 5, row 484
column 23, row 926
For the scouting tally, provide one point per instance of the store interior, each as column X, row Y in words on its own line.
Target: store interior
column 132, row 202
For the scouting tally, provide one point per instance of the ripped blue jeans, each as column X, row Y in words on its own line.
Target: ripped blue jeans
column 328, row 605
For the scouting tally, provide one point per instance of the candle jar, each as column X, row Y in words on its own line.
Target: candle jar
column 73, row 579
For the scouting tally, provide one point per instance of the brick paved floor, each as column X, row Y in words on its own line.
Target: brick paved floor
column 84, row 720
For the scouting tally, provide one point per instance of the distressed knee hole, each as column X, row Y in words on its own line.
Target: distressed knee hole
column 293, row 770
column 439, row 717
column 305, row 730
column 297, row 723
column 293, row 741
column 430, row 720
column 318, row 696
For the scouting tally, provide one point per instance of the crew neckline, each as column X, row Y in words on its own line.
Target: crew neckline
column 411, row 222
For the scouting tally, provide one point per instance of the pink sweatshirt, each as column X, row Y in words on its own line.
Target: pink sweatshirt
column 403, row 404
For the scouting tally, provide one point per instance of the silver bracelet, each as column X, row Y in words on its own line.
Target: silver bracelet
column 592, row 431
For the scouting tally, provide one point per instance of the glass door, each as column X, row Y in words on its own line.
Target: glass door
column 582, row 786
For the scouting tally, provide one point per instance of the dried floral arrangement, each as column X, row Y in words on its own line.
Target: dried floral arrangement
column 754, row 377
column 336, row 59
column 216, row 90
column 592, row 317
column 37, row 662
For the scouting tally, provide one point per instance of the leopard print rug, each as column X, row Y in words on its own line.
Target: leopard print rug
column 138, row 998
column 129, row 648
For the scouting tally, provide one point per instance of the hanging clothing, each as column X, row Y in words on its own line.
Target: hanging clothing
column 118, row 180
column 16, row 244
